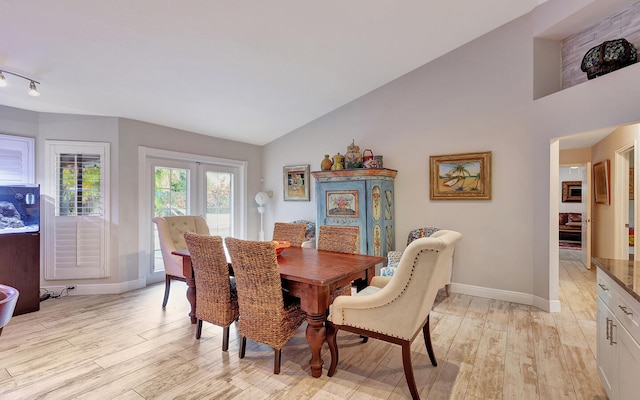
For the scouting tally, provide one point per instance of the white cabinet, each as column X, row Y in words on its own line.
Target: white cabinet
column 618, row 336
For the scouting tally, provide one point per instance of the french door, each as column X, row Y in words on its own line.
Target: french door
column 207, row 188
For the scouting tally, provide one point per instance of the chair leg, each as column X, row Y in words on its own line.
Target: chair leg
column 225, row 338
column 167, row 287
column 408, row 370
column 199, row 329
column 276, row 361
column 332, row 334
column 426, row 332
column 446, row 289
column 243, row 346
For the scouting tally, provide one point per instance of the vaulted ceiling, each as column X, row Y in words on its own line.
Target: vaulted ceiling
column 249, row 71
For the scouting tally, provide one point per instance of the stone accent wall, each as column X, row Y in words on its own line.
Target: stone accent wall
column 625, row 24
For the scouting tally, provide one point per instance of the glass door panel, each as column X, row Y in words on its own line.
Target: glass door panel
column 219, row 202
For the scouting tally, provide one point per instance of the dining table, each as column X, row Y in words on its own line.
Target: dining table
column 311, row 275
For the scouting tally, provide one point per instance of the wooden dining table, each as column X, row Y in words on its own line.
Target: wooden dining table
column 311, row 275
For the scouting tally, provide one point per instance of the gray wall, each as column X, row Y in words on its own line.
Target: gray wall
column 476, row 98
column 125, row 136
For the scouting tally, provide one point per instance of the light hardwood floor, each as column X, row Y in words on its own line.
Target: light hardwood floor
column 126, row 347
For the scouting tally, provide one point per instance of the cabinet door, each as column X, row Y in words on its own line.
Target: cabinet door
column 628, row 365
column 20, row 268
column 607, row 361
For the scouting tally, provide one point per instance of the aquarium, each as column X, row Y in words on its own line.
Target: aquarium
column 19, row 209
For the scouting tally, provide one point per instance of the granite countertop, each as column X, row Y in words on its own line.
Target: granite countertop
column 624, row 272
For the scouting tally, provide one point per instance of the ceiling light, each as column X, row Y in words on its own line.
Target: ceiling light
column 33, row 90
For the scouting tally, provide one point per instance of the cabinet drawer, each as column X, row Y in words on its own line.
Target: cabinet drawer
column 627, row 310
column 606, row 288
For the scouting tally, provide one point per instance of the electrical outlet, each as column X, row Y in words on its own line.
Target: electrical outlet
column 72, row 287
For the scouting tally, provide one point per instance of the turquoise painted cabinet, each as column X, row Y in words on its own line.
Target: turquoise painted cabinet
column 359, row 197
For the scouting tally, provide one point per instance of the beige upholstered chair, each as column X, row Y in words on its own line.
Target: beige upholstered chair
column 8, row 300
column 394, row 256
column 292, row 233
column 216, row 296
column 267, row 315
column 171, row 232
column 395, row 309
column 341, row 239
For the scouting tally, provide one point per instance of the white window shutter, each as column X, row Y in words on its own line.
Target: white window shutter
column 17, row 162
column 77, row 232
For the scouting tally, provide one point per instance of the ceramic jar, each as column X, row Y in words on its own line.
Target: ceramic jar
column 353, row 157
column 326, row 163
column 337, row 162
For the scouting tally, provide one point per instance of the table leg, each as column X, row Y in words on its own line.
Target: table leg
column 187, row 271
column 191, row 297
column 316, row 335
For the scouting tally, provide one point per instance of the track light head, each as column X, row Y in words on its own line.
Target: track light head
column 33, row 91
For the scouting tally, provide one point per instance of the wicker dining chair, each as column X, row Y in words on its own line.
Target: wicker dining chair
column 267, row 315
column 342, row 239
column 292, row 233
column 216, row 296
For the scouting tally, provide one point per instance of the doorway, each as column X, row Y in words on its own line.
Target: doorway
column 624, row 202
column 574, row 213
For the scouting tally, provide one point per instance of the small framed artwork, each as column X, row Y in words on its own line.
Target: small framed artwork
column 464, row 176
column 296, row 182
column 572, row 191
column 601, row 182
column 342, row 203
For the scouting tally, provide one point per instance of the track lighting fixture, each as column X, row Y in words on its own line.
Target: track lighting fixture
column 33, row 90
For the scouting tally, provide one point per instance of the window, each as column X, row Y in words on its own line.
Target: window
column 77, row 210
column 17, row 162
column 79, row 186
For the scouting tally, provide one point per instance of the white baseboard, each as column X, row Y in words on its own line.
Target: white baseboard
column 103, row 288
column 506, row 295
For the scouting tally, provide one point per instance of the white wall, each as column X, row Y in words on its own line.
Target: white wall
column 476, row 98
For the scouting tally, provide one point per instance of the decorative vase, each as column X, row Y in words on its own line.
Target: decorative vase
column 326, row 163
column 337, row 162
column 353, row 157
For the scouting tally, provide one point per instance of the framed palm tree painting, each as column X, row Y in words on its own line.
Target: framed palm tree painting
column 464, row 176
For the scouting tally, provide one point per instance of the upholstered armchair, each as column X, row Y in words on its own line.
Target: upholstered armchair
column 395, row 309
column 8, row 299
column 171, row 232
column 393, row 257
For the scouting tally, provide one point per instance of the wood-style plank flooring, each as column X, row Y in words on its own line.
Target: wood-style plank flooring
column 126, row 347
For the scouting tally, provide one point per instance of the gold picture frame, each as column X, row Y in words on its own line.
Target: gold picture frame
column 296, row 182
column 465, row 176
column 601, row 182
column 572, row 191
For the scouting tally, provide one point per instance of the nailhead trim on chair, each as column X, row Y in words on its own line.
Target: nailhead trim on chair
column 415, row 260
